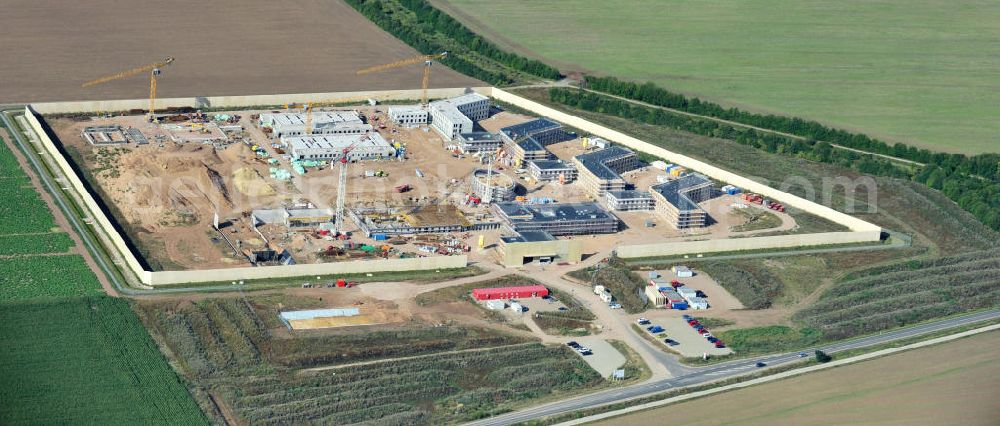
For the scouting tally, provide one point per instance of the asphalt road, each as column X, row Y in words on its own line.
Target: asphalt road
column 723, row 371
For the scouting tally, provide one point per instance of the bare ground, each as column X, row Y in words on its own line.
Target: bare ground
column 224, row 47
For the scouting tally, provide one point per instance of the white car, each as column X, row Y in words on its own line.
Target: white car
column 615, row 306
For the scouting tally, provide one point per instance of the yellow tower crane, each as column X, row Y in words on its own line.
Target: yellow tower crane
column 154, row 70
column 427, row 60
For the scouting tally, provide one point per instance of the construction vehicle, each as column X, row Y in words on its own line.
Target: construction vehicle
column 403, row 188
column 427, row 60
column 154, row 70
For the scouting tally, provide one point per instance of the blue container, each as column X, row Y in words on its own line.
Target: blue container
column 380, row 237
column 679, row 305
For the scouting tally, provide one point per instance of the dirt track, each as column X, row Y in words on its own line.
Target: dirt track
column 223, row 47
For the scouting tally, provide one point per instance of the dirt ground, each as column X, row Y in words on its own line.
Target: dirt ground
column 224, row 47
column 951, row 383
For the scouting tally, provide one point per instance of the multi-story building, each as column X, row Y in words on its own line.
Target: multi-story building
column 528, row 150
column 478, row 142
column 557, row 219
column 454, row 116
column 323, row 123
column 371, row 146
column 677, row 200
column 408, row 115
column 543, row 130
column 551, row 170
column 600, row 171
column 628, row 200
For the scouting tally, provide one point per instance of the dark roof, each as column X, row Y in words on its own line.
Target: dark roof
column 554, row 212
column 551, row 164
column 529, row 128
column 529, row 237
column 595, row 161
column 624, row 195
column 530, row 144
column 478, row 136
column 674, row 190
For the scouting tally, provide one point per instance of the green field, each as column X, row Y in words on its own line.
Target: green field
column 922, row 72
column 71, row 354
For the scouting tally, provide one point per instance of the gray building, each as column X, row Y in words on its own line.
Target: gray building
column 371, row 146
column 677, row 200
column 323, row 123
column 557, row 219
column 408, row 115
column 549, row 170
column 600, row 171
column 628, row 200
column 479, row 142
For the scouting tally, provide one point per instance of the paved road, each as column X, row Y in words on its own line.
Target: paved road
column 722, row 371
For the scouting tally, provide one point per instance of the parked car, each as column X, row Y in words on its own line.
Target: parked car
column 615, row 306
column 802, row 355
column 761, row 364
column 694, row 323
column 703, row 331
column 654, row 329
column 583, row 350
column 563, row 308
column 642, row 321
column 687, row 317
column 671, row 342
column 712, row 339
column 719, row 344
column 699, row 327
column 573, row 344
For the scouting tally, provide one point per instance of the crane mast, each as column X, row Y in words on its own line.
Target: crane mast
column 154, row 69
column 341, row 188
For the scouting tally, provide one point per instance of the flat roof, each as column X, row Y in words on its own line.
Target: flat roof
column 406, row 108
column 630, row 194
column 552, row 164
column 478, row 137
column 467, row 98
column 554, row 212
column 529, row 237
column 530, row 145
column 673, row 190
column 595, row 161
column 529, row 128
column 319, row 118
column 339, row 141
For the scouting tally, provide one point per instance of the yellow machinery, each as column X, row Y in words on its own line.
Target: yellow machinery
column 154, row 70
column 427, row 60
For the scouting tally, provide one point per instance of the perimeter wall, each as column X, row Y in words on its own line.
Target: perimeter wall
column 861, row 231
column 126, row 257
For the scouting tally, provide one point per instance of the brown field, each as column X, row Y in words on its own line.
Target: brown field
column 224, row 47
column 952, row 383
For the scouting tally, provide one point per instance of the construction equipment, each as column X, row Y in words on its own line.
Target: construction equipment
column 427, row 60
column 341, row 188
column 154, row 70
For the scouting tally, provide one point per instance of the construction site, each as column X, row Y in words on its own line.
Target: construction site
column 324, row 181
column 315, row 184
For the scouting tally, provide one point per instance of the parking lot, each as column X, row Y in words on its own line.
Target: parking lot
column 690, row 343
column 538, row 304
column 605, row 359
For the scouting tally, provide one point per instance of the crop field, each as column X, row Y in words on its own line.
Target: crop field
column 921, row 72
column 72, row 354
column 951, row 383
column 85, row 360
column 237, row 349
column 943, row 234
column 227, row 48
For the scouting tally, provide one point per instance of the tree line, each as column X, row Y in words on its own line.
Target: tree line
column 430, row 31
column 976, row 194
column 983, row 165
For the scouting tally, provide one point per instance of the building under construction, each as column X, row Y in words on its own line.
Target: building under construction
column 492, row 186
column 370, row 146
column 557, row 219
column 323, row 123
column 677, row 200
column 527, row 141
column 552, row 170
column 454, row 116
column 600, row 171
column 429, row 219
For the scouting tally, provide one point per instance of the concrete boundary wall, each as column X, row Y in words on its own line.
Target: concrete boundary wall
column 97, row 215
column 861, row 231
column 129, row 259
column 246, row 101
column 740, row 244
column 311, row 269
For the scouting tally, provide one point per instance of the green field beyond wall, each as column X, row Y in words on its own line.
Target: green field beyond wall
column 922, row 72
